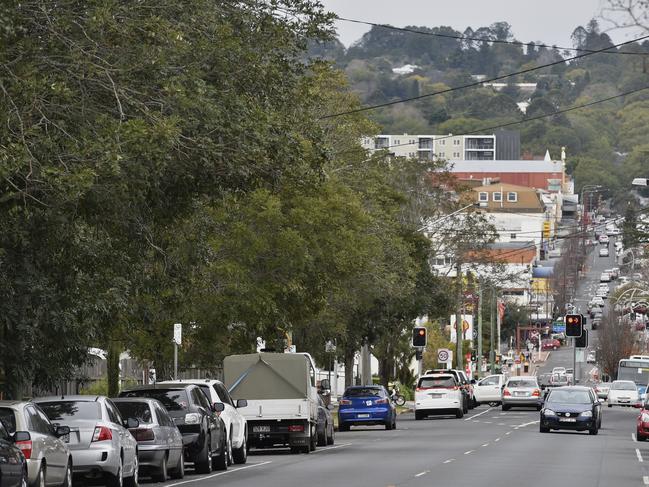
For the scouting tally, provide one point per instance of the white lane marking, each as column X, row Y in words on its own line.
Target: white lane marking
column 421, row 474
column 469, row 452
column 234, row 470
column 487, row 422
column 449, row 460
column 327, row 448
column 479, row 414
column 526, row 424
column 497, row 439
column 645, row 479
column 508, row 433
column 476, row 421
column 639, row 455
column 633, row 437
column 486, row 444
column 502, row 424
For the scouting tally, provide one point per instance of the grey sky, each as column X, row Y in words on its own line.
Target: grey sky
column 548, row 21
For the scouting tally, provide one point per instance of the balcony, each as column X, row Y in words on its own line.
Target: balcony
column 381, row 143
column 477, row 155
column 425, row 143
column 479, row 144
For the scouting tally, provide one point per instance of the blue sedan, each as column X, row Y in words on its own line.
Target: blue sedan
column 366, row 405
column 571, row 408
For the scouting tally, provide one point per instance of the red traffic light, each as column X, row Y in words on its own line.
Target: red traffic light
column 419, row 337
column 422, row 332
column 574, row 325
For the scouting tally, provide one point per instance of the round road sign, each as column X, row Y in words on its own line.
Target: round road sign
column 442, row 355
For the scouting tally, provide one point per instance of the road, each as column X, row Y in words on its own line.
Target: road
column 486, row 447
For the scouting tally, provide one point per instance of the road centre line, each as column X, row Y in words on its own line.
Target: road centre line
column 497, row 439
column 479, row 414
column 645, row 479
column 449, row 460
column 639, row 455
column 331, row 448
column 234, row 470
column 508, row 433
column 486, row 444
column 468, row 452
column 421, row 474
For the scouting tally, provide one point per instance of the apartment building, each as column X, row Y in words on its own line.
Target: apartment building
column 428, row 147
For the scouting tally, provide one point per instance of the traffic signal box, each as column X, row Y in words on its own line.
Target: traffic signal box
column 419, row 337
column 582, row 341
column 574, row 326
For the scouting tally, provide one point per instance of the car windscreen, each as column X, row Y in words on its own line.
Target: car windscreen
column 436, row 382
column 138, row 410
column 171, row 399
column 623, row 386
column 8, row 419
column 66, row 410
column 522, row 383
column 569, row 397
column 362, row 392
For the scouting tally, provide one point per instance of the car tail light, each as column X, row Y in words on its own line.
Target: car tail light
column 102, row 433
column 506, row 392
column 296, row 428
column 536, row 393
column 419, row 389
column 454, row 388
column 381, row 401
column 345, row 402
column 25, row 447
column 143, row 434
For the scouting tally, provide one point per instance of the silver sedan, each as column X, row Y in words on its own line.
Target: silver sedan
column 101, row 444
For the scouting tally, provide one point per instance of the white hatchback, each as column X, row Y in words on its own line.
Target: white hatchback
column 236, row 425
column 623, row 393
column 489, row 389
column 438, row 394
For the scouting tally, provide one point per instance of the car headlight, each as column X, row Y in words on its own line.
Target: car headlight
column 586, row 414
column 192, row 418
column 644, row 417
column 549, row 412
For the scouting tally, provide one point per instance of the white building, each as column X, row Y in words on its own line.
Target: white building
column 429, row 147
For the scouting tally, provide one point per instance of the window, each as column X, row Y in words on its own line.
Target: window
column 512, row 236
column 497, row 196
column 512, row 197
column 223, row 394
column 137, row 410
column 442, row 142
column 113, row 413
column 60, row 411
column 456, row 142
column 490, row 381
column 483, row 196
column 8, row 419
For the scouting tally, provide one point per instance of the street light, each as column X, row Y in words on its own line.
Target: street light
column 640, row 182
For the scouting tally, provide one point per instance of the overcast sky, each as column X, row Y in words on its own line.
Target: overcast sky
column 548, row 21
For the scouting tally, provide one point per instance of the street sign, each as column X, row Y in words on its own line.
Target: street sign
column 443, row 355
column 330, row 347
column 558, row 327
column 178, row 333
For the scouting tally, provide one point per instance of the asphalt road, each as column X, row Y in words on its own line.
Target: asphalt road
column 488, row 447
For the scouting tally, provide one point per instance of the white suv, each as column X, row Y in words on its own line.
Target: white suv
column 438, row 394
column 236, row 425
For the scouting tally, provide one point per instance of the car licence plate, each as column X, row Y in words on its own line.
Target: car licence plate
column 261, row 429
column 568, row 420
column 435, row 396
column 363, row 415
column 519, row 394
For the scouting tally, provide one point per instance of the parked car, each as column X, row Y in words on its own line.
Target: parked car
column 521, row 391
column 602, row 389
column 604, row 276
column 572, row 408
column 603, row 252
column 550, row 344
column 49, row 460
column 100, row 442
column 326, row 434
column 642, row 423
column 365, row 405
column 460, row 378
column 236, row 426
column 603, row 239
column 204, row 437
column 438, row 394
column 623, row 393
column 596, row 301
column 159, row 442
column 13, row 464
column 489, row 389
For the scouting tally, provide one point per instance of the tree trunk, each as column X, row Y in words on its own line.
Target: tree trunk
column 112, row 364
column 349, row 367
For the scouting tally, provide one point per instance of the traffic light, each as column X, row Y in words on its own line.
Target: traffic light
column 419, row 336
column 574, row 325
column 582, row 341
column 474, row 356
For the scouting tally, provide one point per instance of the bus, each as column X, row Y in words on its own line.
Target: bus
column 635, row 368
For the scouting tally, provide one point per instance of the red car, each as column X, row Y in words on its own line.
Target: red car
column 550, row 344
column 642, row 430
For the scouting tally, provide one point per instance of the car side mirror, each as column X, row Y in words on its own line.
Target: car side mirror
column 21, row 436
column 242, row 403
column 473, row 381
column 62, row 431
column 218, row 407
column 132, row 423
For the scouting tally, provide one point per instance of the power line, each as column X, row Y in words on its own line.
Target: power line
column 525, row 120
column 477, row 83
column 478, row 39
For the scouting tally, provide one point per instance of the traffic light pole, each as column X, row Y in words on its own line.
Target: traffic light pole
column 574, row 361
column 459, row 332
column 479, row 360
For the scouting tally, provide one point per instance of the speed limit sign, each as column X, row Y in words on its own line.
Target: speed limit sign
column 442, row 355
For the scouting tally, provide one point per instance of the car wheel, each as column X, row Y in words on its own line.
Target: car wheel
column 134, row 480
column 343, row 427
column 221, row 462
column 544, row 429
column 161, row 475
column 593, row 431
column 117, row 480
column 40, row 478
column 388, row 424
column 539, row 407
column 240, row 455
column 67, row 482
column 322, row 438
column 459, row 413
column 331, row 438
column 314, row 441
column 23, row 480
column 179, row 471
column 465, row 406
column 610, row 405
column 419, row 415
column 505, row 407
column 640, row 438
column 203, row 463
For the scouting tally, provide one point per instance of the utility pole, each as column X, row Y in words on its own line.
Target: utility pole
column 459, row 332
column 492, row 349
column 479, row 361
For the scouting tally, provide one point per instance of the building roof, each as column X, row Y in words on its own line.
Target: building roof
column 495, row 186
column 521, row 253
column 527, row 199
column 507, row 166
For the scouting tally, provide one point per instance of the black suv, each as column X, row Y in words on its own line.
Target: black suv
column 204, row 437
